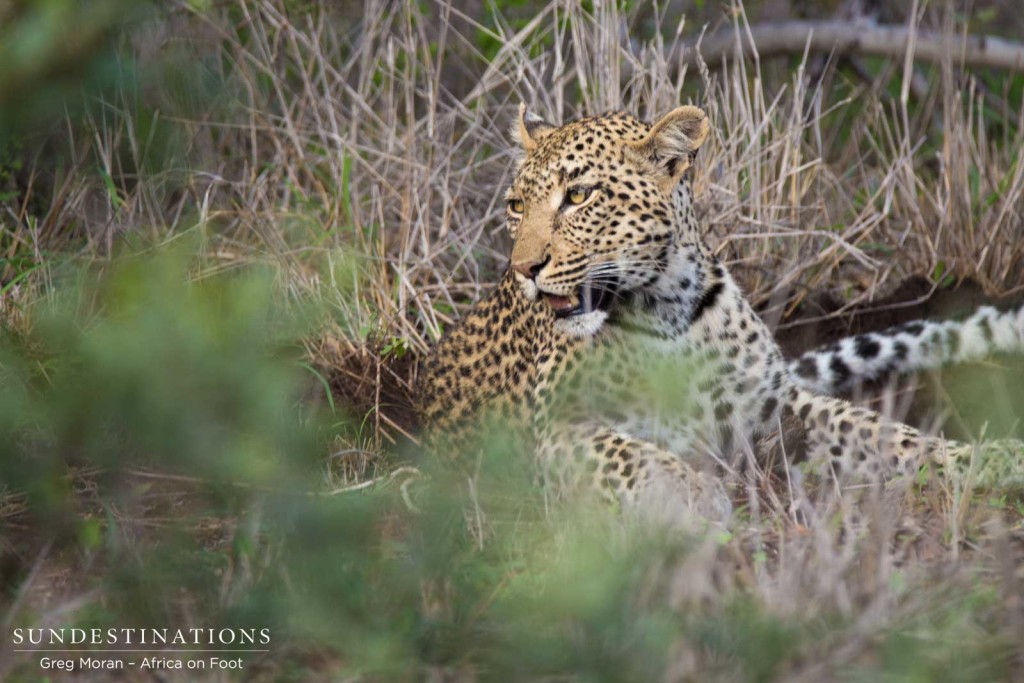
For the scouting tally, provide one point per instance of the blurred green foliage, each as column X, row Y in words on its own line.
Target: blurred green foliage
column 142, row 365
column 140, row 362
column 54, row 51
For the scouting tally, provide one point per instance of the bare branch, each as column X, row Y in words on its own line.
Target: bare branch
column 864, row 38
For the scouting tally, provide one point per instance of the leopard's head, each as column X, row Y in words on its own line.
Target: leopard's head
column 594, row 208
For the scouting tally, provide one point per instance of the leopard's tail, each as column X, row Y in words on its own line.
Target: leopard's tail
column 908, row 348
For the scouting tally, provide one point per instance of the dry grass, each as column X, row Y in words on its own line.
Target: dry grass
column 386, row 142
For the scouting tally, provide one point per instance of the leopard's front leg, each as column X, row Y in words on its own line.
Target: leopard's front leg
column 629, row 471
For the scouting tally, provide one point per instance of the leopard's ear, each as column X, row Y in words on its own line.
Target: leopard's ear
column 531, row 129
column 674, row 140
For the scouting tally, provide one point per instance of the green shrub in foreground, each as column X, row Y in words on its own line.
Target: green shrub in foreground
column 140, row 367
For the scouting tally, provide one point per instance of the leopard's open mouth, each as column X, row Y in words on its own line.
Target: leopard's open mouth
column 589, row 298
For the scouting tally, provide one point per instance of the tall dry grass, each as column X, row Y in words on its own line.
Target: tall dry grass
column 328, row 136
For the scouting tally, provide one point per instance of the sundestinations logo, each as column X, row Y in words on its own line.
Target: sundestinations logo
column 71, row 649
column 140, row 636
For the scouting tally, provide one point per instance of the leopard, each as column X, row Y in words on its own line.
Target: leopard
column 619, row 348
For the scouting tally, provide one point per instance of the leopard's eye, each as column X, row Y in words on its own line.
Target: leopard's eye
column 578, row 195
column 516, row 206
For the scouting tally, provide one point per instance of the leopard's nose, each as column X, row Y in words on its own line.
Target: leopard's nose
column 530, row 269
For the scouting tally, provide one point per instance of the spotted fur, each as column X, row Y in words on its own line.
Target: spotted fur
column 908, row 348
column 625, row 354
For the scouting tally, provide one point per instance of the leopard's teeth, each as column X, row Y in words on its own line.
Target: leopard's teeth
column 560, row 303
column 586, row 298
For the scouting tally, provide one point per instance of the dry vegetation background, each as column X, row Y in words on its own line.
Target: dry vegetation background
column 231, row 229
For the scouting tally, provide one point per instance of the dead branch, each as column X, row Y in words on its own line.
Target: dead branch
column 865, row 38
